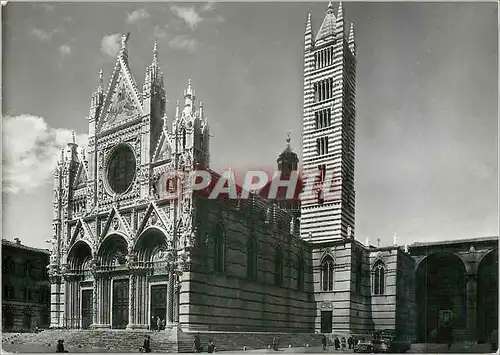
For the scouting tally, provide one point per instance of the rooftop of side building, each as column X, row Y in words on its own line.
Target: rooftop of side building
column 491, row 239
column 17, row 244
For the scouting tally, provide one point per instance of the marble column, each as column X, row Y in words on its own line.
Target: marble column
column 471, row 304
column 95, row 309
column 170, row 297
column 131, row 301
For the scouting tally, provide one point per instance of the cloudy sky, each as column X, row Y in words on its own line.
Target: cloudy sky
column 427, row 128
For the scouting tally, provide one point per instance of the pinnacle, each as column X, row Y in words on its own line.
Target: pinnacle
column 329, row 10
column 125, row 37
column 340, row 12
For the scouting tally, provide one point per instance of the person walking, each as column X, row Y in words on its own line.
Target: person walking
column 158, row 323
column 337, row 343
column 349, row 342
column 146, row 347
column 197, row 344
column 275, row 344
column 60, row 347
column 323, row 341
column 343, row 342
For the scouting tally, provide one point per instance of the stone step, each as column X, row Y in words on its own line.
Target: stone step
column 164, row 341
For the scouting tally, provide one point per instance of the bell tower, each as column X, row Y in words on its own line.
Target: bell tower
column 327, row 210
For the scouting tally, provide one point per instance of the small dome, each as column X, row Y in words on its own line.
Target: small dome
column 288, row 155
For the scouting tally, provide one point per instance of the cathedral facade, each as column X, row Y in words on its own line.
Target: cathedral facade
column 133, row 243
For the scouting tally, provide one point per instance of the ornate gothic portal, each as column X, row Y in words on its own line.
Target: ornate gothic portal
column 441, row 296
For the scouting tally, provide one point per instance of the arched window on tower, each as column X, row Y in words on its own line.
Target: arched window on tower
column 327, row 274
column 252, row 258
column 183, row 139
column 378, row 272
column 219, row 248
column 278, row 267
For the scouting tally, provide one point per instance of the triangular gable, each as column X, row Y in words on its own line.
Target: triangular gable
column 153, row 217
column 164, row 148
column 81, row 177
column 82, row 232
column 115, row 224
column 122, row 101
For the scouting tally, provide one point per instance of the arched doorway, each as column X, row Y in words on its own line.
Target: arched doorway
column 79, row 301
column 112, row 256
column 487, row 296
column 440, row 296
column 151, row 249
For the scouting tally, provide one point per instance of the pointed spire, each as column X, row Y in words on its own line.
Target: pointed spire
column 352, row 41
column 100, row 88
column 189, row 95
column 328, row 25
column 124, row 50
column 125, row 37
column 155, row 51
column 201, row 109
column 308, row 24
column 73, row 136
column 177, row 103
column 288, row 139
column 340, row 11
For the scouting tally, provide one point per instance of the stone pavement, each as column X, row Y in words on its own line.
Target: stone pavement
column 34, row 348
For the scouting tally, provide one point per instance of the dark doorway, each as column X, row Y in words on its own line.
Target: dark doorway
column 326, row 321
column 27, row 320
column 158, row 303
column 86, row 309
column 8, row 318
column 487, row 297
column 440, row 296
column 120, row 304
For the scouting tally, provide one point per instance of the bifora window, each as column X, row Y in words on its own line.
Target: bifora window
column 121, row 169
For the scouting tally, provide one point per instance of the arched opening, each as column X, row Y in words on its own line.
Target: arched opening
column 327, row 273
column 219, row 248
column 378, row 271
column 113, row 251
column 487, row 296
column 112, row 254
column 149, row 244
column 79, row 257
column 441, row 297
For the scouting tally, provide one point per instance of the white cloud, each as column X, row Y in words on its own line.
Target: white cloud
column 188, row 14
column 31, row 150
column 209, row 6
column 183, row 42
column 110, row 45
column 137, row 15
column 43, row 35
column 65, row 49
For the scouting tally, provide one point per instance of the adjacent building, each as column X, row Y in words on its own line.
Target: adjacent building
column 25, row 287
